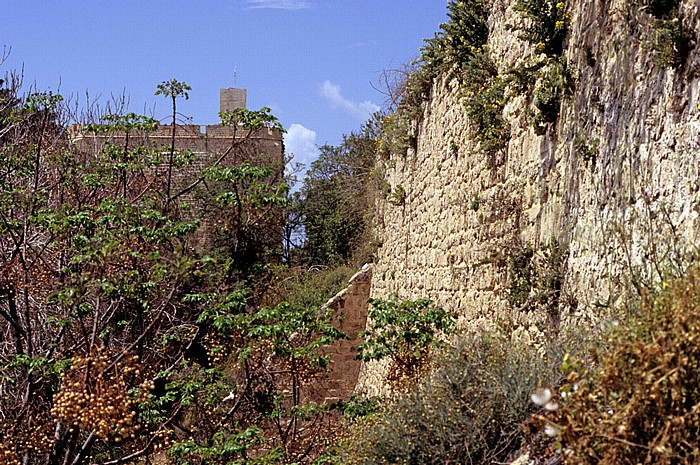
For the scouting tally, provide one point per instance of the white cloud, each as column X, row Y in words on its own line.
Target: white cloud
column 279, row 4
column 301, row 142
column 360, row 110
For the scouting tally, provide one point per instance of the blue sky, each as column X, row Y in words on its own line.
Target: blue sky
column 313, row 62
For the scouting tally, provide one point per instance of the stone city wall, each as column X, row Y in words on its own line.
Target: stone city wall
column 613, row 215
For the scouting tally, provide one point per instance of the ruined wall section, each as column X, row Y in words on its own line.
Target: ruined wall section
column 349, row 313
column 619, row 213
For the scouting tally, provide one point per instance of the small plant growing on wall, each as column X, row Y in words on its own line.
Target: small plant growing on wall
column 671, row 42
column 405, row 333
column 397, row 196
column 555, row 82
column 670, row 39
column 520, row 270
column 586, row 148
column 535, row 279
column 548, row 25
column 475, row 203
column 484, row 101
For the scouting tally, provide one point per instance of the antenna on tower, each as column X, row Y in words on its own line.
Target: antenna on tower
column 235, row 72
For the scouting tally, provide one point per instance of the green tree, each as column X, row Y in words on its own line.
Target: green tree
column 336, row 199
column 405, row 333
column 172, row 89
column 114, row 315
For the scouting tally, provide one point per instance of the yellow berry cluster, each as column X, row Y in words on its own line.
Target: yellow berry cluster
column 17, row 439
column 165, row 439
column 8, row 456
column 217, row 348
column 94, row 396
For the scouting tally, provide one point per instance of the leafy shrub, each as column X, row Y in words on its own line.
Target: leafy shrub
column 547, row 27
column 586, row 149
column 404, row 332
column 555, row 82
column 641, row 406
column 468, row 411
column 276, row 353
column 484, row 100
column 672, row 42
column 357, row 407
column 451, row 50
column 396, row 136
column 454, row 44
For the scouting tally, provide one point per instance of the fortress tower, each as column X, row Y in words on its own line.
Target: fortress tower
column 231, row 98
column 263, row 147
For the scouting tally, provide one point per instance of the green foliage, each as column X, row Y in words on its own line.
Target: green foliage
column 246, row 199
column 252, row 120
column 397, row 196
column 308, row 287
column 405, row 332
column 228, row 447
column 475, row 203
column 546, row 82
column 555, row 82
column 129, row 329
column 454, row 45
column 484, row 101
column 640, row 405
column 535, row 279
column 173, row 89
column 548, row 25
column 451, row 51
column 672, row 41
column 467, row 411
column 336, row 200
column 125, row 123
column 294, row 333
column 587, row 149
column 520, row 276
column 396, row 136
column 277, row 352
column 357, row 408
column 46, row 103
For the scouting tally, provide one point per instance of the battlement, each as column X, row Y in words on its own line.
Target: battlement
column 209, row 139
column 201, row 136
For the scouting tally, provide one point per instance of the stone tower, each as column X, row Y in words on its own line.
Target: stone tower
column 231, row 98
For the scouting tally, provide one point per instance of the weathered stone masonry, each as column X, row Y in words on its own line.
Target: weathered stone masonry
column 613, row 217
